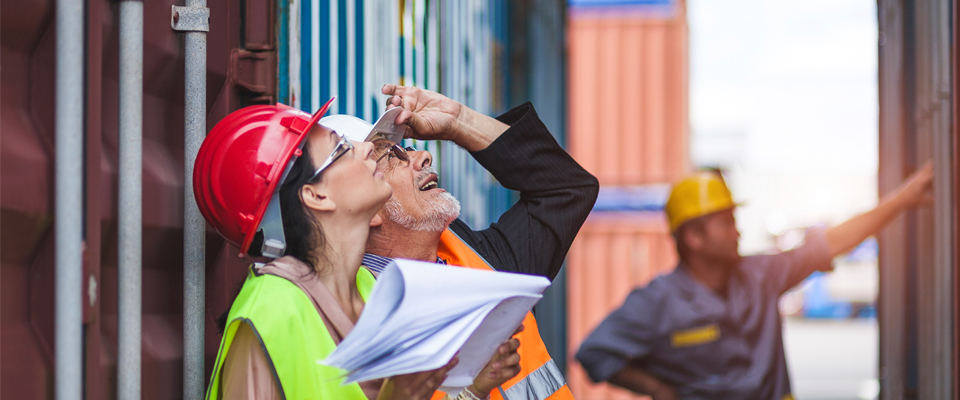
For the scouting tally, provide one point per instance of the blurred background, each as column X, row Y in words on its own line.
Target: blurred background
column 783, row 99
column 811, row 110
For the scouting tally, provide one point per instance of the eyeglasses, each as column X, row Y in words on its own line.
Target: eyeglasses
column 343, row 146
column 385, row 148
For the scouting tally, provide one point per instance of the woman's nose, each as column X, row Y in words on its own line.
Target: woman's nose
column 366, row 149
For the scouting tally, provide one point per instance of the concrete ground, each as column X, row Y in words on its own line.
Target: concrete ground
column 832, row 359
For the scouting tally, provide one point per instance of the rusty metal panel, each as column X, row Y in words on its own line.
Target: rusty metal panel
column 613, row 253
column 935, row 313
column 259, row 22
column 917, row 261
column 26, row 199
column 26, row 209
column 955, row 155
column 627, row 107
column 895, row 299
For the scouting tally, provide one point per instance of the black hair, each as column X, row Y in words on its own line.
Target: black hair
column 301, row 229
column 697, row 224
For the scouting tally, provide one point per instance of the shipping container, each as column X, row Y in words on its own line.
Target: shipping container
column 460, row 48
column 918, row 297
column 628, row 96
column 614, row 253
column 628, row 125
column 27, row 83
column 258, row 52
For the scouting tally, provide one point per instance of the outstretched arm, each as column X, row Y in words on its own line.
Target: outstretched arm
column 914, row 191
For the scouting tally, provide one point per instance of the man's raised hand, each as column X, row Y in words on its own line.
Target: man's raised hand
column 428, row 115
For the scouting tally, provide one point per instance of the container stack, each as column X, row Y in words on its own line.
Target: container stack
column 628, row 125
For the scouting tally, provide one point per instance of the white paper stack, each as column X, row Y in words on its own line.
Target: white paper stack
column 420, row 315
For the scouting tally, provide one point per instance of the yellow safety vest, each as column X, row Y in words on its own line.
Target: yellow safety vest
column 293, row 337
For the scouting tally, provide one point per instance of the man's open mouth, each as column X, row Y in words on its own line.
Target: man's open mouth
column 429, row 183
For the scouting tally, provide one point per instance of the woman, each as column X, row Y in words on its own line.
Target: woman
column 275, row 183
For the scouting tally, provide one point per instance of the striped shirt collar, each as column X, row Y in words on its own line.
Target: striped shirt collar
column 377, row 264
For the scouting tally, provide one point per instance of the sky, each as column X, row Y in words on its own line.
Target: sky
column 796, row 80
column 783, row 96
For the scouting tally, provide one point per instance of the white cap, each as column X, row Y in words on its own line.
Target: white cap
column 358, row 130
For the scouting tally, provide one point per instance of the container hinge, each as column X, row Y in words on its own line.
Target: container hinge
column 251, row 71
column 190, row 19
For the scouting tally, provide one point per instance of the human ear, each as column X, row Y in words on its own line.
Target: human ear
column 315, row 197
column 694, row 239
column 376, row 221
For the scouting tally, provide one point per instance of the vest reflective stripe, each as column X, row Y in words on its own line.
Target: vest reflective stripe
column 293, row 339
column 539, row 384
column 533, row 353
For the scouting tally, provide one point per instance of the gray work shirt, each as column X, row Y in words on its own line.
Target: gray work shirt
column 705, row 345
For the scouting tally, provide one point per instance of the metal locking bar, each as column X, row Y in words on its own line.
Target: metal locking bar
column 190, row 19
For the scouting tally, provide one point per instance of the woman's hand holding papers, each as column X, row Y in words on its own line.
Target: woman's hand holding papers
column 415, row 386
column 504, row 365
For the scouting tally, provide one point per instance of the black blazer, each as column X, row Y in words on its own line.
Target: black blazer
column 556, row 195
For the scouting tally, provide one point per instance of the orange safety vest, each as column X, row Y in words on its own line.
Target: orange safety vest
column 539, row 377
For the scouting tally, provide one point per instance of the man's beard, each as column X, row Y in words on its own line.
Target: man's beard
column 438, row 215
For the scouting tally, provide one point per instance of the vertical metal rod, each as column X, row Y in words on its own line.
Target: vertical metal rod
column 195, row 114
column 130, row 221
column 68, row 210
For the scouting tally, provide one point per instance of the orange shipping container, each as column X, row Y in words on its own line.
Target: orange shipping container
column 613, row 253
column 628, row 125
column 628, row 96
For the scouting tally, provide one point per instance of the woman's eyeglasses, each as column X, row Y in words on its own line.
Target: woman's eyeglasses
column 343, row 146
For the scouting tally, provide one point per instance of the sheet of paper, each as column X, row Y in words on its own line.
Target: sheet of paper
column 420, row 315
column 495, row 329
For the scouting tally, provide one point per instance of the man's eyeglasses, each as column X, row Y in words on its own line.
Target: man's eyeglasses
column 386, row 148
column 343, row 146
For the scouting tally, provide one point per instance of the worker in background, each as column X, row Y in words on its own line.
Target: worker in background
column 280, row 186
column 711, row 329
column 420, row 222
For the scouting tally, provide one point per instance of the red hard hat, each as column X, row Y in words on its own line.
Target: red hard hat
column 240, row 166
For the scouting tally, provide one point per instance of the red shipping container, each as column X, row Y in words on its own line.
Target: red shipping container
column 613, row 253
column 628, row 101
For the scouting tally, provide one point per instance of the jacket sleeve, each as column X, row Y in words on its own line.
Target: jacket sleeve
column 624, row 336
column 556, row 195
column 780, row 272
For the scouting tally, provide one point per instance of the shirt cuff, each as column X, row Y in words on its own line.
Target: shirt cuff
column 603, row 369
column 817, row 250
column 523, row 121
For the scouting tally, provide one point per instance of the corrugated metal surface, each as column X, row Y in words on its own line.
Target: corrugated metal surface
column 472, row 35
column 349, row 49
column 614, row 253
column 627, row 107
column 361, row 48
column 26, row 234
column 537, row 74
column 917, row 252
column 955, row 148
column 628, row 125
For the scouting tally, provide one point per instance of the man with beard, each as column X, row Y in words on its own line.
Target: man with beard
column 420, row 221
column 711, row 329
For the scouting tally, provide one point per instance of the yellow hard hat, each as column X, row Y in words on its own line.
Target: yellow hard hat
column 695, row 196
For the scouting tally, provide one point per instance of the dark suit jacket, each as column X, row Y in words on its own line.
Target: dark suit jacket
column 556, row 195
